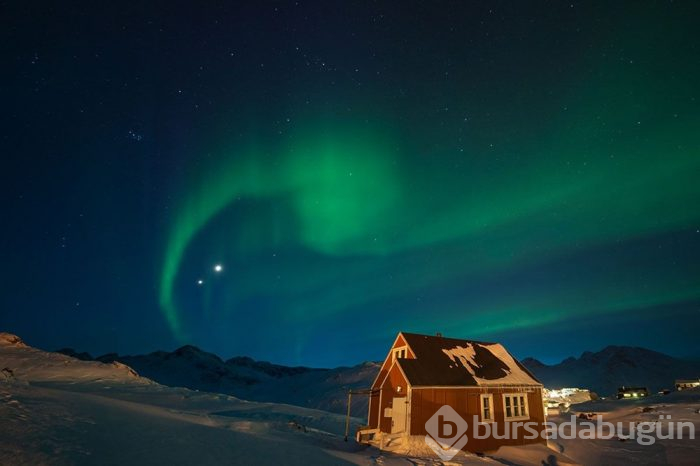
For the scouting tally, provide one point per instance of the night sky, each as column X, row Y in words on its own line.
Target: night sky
column 524, row 172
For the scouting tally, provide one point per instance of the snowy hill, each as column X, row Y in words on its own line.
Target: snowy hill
column 39, row 366
column 324, row 389
column 58, row 410
column 606, row 370
column 246, row 378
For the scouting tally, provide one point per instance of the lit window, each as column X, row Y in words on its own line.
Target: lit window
column 515, row 407
column 399, row 353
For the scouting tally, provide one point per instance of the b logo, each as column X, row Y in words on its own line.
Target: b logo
column 446, row 433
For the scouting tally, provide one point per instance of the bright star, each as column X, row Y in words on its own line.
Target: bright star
column 218, row 268
column 200, row 282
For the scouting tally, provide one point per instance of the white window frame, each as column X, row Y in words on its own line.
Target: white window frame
column 520, row 416
column 399, row 353
column 486, row 396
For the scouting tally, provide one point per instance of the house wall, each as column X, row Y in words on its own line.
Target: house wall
column 389, row 391
column 465, row 400
column 373, row 415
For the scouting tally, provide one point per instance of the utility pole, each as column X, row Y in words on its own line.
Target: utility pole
column 367, row 391
column 347, row 417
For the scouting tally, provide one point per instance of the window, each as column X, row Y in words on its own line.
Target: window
column 399, row 353
column 486, row 408
column 515, row 406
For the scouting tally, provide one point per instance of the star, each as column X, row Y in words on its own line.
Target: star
column 218, row 268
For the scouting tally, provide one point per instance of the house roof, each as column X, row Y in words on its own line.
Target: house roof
column 444, row 361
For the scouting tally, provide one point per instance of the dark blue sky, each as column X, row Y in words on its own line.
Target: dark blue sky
column 524, row 173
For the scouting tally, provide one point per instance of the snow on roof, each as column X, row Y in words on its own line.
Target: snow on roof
column 444, row 361
column 513, row 374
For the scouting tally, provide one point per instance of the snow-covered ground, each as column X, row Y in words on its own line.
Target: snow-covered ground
column 681, row 406
column 57, row 410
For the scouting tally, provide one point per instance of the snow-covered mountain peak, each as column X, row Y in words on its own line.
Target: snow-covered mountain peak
column 27, row 364
column 8, row 339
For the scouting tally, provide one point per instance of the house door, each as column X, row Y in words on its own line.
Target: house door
column 398, row 415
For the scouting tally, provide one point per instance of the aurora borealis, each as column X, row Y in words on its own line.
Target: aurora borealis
column 526, row 173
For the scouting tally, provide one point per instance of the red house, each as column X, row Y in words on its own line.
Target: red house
column 422, row 373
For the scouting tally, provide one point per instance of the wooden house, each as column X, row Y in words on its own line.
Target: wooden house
column 422, row 373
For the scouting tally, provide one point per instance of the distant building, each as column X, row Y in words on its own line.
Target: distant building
column 422, row 373
column 559, row 400
column 682, row 384
column 632, row 392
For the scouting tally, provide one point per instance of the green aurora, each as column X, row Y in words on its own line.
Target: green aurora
column 389, row 203
column 353, row 194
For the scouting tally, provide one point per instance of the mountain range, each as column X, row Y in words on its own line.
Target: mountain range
column 615, row 366
column 245, row 378
column 601, row 372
